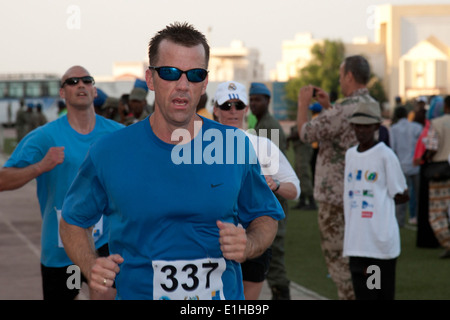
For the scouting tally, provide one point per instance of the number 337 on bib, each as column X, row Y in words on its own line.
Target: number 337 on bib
column 199, row 279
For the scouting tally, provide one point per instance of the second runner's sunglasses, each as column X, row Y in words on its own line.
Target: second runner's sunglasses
column 74, row 80
column 173, row 74
column 227, row 105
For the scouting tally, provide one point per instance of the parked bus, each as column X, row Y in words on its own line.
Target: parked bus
column 28, row 88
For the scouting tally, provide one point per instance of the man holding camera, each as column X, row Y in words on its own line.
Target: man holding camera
column 335, row 135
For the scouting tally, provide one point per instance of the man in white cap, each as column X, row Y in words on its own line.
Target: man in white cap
column 230, row 108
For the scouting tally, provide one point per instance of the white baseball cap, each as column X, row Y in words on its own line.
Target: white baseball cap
column 230, row 90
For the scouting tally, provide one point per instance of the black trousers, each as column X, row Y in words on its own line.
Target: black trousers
column 54, row 280
column 373, row 279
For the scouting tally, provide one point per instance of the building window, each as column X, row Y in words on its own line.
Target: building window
column 33, row 89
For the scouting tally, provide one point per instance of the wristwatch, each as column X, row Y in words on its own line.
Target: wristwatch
column 277, row 182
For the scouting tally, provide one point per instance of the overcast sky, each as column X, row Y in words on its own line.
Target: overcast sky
column 52, row 35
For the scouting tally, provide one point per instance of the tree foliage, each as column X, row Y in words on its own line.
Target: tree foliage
column 376, row 89
column 321, row 71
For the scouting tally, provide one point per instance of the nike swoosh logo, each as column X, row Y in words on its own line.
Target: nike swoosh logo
column 216, row 185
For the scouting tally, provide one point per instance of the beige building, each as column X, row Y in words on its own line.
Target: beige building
column 295, row 55
column 416, row 39
column 236, row 62
column 411, row 51
column 129, row 70
column 425, row 69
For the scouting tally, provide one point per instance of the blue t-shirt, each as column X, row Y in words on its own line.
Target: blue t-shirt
column 53, row 185
column 163, row 201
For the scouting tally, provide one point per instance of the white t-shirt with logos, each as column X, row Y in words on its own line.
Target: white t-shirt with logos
column 372, row 179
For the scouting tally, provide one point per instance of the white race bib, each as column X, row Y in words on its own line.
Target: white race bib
column 188, row 279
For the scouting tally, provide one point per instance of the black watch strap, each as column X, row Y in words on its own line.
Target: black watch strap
column 277, row 182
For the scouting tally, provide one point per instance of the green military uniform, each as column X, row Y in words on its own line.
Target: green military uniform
column 276, row 277
column 269, row 123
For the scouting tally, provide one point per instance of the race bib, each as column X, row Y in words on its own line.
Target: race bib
column 188, row 279
column 97, row 231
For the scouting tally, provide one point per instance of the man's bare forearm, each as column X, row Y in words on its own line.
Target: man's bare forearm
column 79, row 246
column 260, row 235
column 287, row 190
column 14, row 178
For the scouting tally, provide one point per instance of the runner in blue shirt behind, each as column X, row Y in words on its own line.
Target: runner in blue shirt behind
column 184, row 195
column 52, row 154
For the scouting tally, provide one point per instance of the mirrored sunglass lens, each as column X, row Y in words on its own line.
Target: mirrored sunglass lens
column 196, row 75
column 169, row 74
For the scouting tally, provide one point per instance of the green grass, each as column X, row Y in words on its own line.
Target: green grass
column 421, row 275
column 305, row 264
column 9, row 145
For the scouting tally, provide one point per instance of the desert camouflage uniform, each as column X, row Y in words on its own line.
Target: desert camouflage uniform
column 335, row 135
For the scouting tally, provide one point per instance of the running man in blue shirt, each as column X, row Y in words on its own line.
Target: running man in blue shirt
column 184, row 195
column 52, row 154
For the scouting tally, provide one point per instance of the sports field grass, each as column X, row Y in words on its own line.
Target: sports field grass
column 421, row 275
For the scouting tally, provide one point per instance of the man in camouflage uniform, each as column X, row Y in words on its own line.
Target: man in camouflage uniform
column 335, row 135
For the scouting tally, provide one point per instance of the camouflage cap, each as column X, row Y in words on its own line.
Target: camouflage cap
column 366, row 113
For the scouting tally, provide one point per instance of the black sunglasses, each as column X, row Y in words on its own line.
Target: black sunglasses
column 173, row 74
column 74, row 80
column 227, row 105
